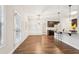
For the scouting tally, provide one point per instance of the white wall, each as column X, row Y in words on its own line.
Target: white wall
column 65, row 24
column 25, row 27
column 9, row 40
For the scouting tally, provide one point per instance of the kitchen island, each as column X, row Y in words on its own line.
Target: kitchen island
column 71, row 39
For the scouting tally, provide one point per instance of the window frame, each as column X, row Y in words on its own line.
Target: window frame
column 3, row 26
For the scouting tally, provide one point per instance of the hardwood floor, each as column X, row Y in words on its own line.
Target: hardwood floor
column 44, row 45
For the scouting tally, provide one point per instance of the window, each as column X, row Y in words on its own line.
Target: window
column 1, row 24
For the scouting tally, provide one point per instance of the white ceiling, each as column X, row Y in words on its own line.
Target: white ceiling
column 49, row 11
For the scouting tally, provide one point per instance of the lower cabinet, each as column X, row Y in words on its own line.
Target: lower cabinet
column 72, row 40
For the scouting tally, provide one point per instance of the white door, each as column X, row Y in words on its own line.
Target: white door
column 17, row 30
column 35, row 27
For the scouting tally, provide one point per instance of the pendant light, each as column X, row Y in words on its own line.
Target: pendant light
column 70, row 11
column 59, row 16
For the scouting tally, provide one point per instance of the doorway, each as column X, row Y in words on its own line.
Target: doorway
column 17, row 32
column 35, row 26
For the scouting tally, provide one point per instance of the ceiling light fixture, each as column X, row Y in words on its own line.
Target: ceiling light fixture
column 70, row 11
column 74, row 12
column 58, row 15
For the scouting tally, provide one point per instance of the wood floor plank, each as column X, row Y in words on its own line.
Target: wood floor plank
column 41, row 44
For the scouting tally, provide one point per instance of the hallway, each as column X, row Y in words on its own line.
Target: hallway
column 44, row 45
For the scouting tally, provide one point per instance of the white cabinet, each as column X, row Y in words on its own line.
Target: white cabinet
column 72, row 40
